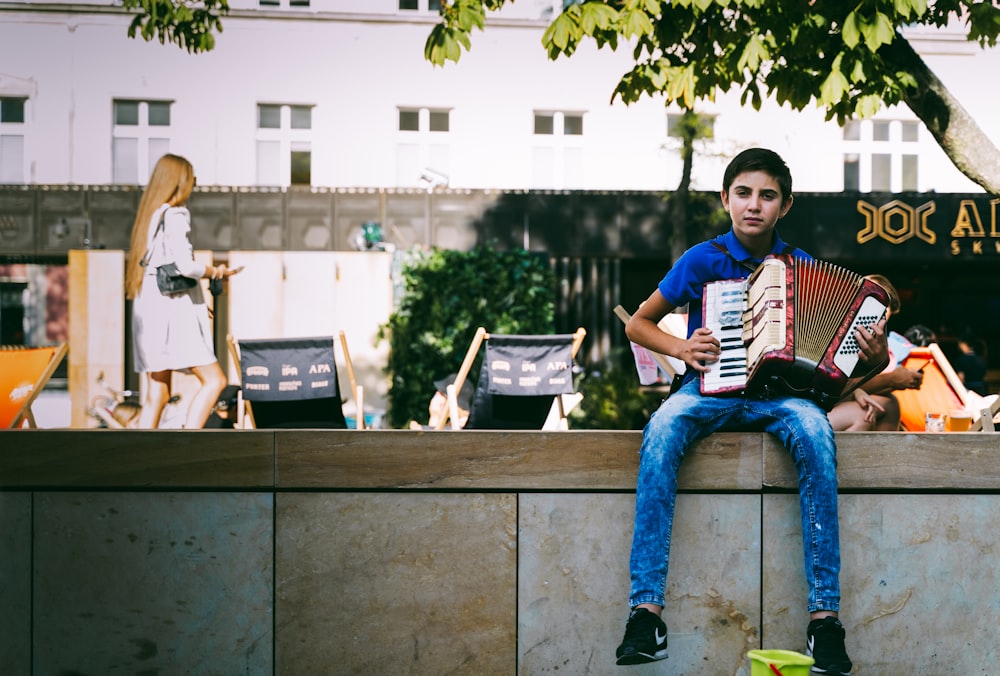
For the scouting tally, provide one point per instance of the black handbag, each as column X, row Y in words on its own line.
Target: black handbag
column 168, row 280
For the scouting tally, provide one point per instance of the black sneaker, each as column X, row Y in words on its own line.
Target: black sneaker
column 825, row 644
column 645, row 639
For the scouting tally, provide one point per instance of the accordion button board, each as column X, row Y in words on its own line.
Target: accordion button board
column 789, row 327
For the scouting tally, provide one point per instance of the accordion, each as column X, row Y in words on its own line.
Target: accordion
column 789, row 329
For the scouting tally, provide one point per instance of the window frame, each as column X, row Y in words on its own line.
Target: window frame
column 882, row 154
column 292, row 140
column 150, row 138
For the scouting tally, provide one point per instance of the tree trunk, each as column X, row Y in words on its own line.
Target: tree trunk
column 962, row 140
column 680, row 201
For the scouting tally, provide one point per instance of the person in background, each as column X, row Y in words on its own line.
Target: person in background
column 872, row 407
column 756, row 191
column 920, row 335
column 970, row 367
column 437, row 409
column 170, row 332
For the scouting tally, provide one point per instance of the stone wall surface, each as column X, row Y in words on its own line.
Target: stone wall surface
column 341, row 552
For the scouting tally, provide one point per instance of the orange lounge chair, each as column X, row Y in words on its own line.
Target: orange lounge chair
column 24, row 372
column 941, row 391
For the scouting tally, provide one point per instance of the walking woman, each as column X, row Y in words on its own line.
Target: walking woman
column 170, row 332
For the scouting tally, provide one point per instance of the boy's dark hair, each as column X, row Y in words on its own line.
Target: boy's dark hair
column 760, row 159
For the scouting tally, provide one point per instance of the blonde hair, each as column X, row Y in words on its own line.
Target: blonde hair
column 884, row 282
column 171, row 183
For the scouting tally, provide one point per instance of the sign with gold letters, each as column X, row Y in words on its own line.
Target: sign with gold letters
column 925, row 226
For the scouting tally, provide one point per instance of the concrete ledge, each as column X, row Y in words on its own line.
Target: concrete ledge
column 329, row 552
column 136, row 459
column 901, row 461
column 481, row 460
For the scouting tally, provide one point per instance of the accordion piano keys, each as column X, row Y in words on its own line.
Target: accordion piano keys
column 798, row 323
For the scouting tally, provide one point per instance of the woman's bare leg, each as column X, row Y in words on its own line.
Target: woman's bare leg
column 848, row 416
column 213, row 381
column 155, row 394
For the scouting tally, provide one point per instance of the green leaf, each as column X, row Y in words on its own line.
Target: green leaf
column 471, row 15
column 850, row 31
column 657, row 73
column 753, row 54
column 878, row 32
column 452, row 50
column 833, row 88
column 596, row 15
column 560, row 31
column 906, row 8
column 434, row 46
column 858, row 72
column 635, row 22
column 867, row 105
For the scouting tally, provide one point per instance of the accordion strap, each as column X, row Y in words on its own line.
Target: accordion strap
column 746, row 264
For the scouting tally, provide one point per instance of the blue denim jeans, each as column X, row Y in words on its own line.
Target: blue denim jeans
column 687, row 416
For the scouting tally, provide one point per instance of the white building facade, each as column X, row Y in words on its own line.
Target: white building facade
column 337, row 94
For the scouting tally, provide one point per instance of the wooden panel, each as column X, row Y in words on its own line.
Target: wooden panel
column 96, row 317
column 900, row 461
column 136, row 459
column 488, row 460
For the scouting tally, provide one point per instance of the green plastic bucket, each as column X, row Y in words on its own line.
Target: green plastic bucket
column 780, row 662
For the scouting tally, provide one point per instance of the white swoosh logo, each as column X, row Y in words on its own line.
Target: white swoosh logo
column 659, row 639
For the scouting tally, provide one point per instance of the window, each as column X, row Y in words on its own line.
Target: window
column 423, row 147
column 284, row 144
column 12, row 139
column 438, row 120
column 140, row 136
column 852, row 175
column 573, row 125
column 12, row 111
column 420, row 5
column 881, row 172
column 424, row 119
column 881, row 155
column 557, row 157
column 852, row 130
column 909, row 173
column 558, row 124
column 409, row 120
column 282, row 4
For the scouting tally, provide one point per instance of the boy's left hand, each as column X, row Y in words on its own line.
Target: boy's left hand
column 873, row 343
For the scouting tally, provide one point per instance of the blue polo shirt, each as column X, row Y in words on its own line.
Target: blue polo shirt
column 685, row 281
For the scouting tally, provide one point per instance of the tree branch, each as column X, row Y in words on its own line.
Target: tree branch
column 958, row 134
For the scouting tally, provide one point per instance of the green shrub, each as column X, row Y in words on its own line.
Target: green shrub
column 447, row 295
column 612, row 398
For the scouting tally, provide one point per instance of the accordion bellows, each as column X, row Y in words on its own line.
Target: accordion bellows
column 790, row 329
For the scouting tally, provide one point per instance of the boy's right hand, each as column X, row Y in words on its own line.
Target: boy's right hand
column 700, row 349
